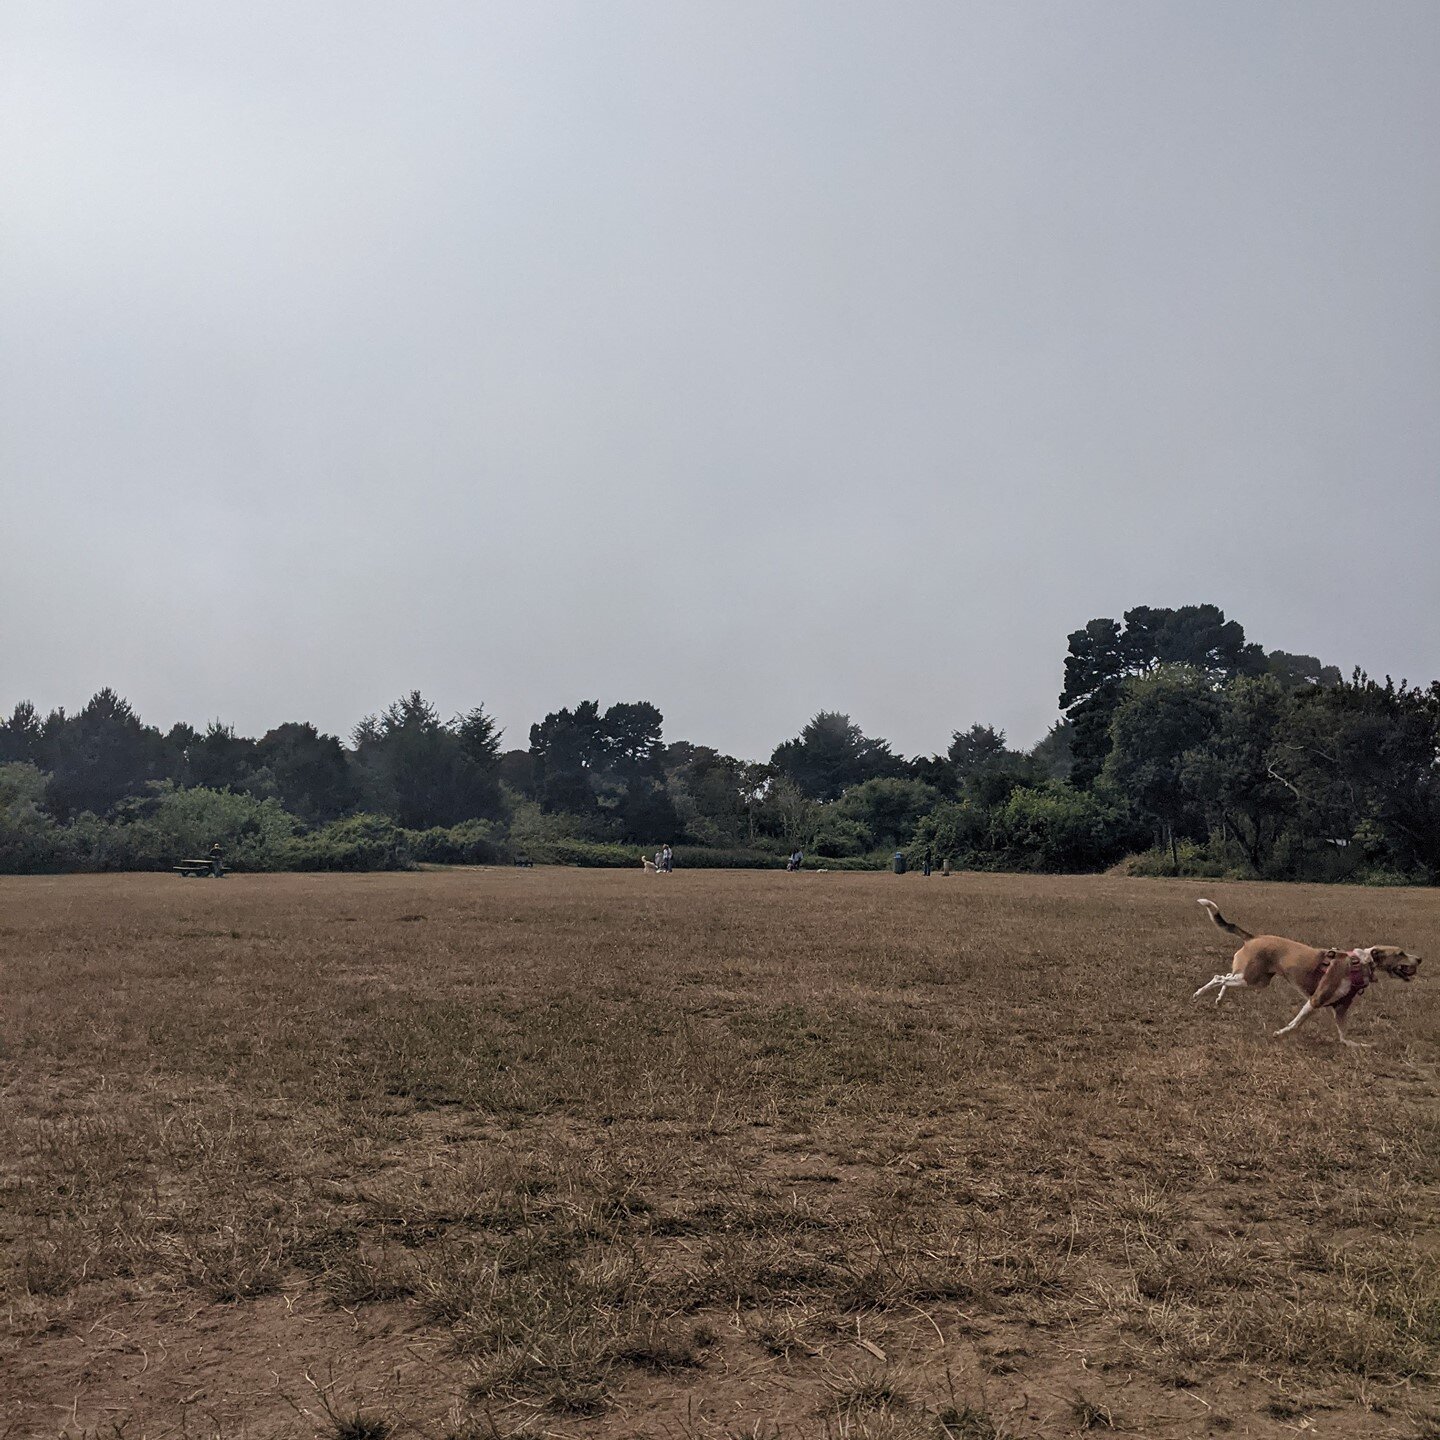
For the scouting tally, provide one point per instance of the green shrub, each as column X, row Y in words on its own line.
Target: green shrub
column 531, row 827
column 1195, row 860
column 473, row 842
column 837, row 835
column 359, row 842
column 31, row 843
column 876, row 860
column 591, row 853
column 1049, row 827
column 703, row 857
column 884, row 813
column 958, row 832
column 1054, row 828
column 94, row 845
column 155, row 831
column 179, row 824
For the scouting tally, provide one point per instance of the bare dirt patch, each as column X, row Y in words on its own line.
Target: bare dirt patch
column 481, row 1153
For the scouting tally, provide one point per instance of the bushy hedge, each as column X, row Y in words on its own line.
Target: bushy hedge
column 149, row 833
column 701, row 857
column 31, row 843
column 589, row 853
column 473, row 842
column 1054, row 828
column 876, row 860
column 837, row 836
column 359, row 842
column 156, row 831
column 1049, row 827
column 178, row 824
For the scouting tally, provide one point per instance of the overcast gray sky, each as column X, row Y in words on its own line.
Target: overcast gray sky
column 750, row 358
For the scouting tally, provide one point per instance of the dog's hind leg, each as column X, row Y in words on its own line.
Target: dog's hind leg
column 1223, row 983
column 1232, row 982
column 1306, row 1010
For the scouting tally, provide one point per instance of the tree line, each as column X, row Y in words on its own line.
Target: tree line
column 1180, row 744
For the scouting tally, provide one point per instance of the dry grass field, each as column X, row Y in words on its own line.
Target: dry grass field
column 490, row 1153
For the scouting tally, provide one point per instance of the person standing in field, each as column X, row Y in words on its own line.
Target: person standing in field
column 215, row 855
column 667, row 856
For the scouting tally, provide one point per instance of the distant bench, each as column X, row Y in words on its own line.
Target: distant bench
column 524, row 862
column 187, row 868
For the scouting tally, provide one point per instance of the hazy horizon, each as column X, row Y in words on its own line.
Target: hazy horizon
column 752, row 360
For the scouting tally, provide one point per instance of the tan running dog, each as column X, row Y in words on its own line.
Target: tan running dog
column 1330, row 980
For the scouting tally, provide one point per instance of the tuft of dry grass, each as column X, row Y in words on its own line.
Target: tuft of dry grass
column 835, row 1155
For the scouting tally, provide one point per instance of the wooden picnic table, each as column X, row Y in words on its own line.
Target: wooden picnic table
column 187, row 868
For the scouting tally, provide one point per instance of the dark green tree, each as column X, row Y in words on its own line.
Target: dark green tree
column 830, row 754
column 479, row 736
column 713, row 794
column 1232, row 772
column 1103, row 654
column 1050, row 758
column 1161, row 719
column 977, row 748
column 99, row 757
column 606, row 769
column 986, row 769
column 567, row 748
column 22, row 736
column 1362, row 761
column 1094, row 668
column 516, row 768
column 1300, row 672
column 630, row 737
column 309, row 772
column 422, row 771
column 1196, row 635
column 220, row 759
column 937, row 772
column 635, row 790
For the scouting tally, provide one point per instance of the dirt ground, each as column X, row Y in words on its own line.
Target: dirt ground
column 505, row 1153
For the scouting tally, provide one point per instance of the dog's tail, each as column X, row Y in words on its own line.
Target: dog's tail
column 1214, row 912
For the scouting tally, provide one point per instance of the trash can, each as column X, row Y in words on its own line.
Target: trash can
column 899, row 862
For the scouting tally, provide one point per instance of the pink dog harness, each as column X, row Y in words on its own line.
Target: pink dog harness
column 1358, row 977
